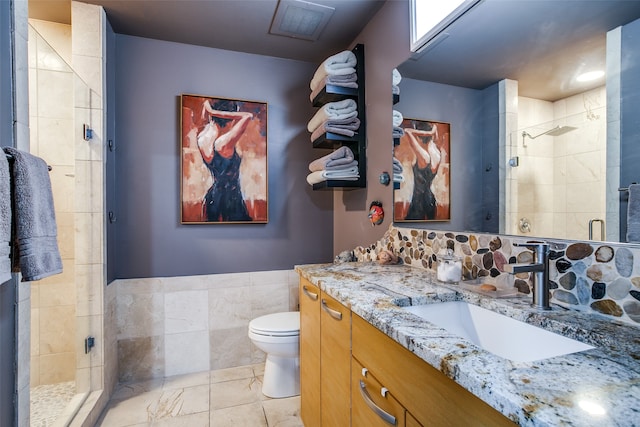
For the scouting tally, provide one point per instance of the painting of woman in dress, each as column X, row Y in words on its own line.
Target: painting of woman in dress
column 224, row 162
column 423, row 153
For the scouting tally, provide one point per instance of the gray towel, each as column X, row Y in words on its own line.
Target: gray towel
column 340, row 157
column 35, row 240
column 397, row 166
column 633, row 214
column 5, row 220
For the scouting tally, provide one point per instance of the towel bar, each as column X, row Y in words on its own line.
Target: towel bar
column 10, row 158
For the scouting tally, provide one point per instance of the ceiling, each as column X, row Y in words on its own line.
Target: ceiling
column 540, row 43
column 238, row 25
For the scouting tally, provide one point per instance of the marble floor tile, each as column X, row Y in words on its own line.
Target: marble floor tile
column 221, row 398
column 283, row 412
column 186, row 380
column 129, row 390
column 250, row 414
column 201, row 419
column 230, row 374
column 234, row 393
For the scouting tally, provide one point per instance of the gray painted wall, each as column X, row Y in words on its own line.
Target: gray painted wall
column 630, row 119
column 490, row 160
column 464, row 110
column 7, row 289
column 150, row 76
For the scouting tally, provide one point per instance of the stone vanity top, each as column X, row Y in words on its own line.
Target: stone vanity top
column 551, row 392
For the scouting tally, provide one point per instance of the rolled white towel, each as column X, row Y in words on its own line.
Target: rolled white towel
column 345, row 109
column 350, row 174
column 396, row 78
column 397, row 118
column 339, row 64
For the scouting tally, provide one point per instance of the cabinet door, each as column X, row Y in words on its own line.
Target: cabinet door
column 335, row 357
column 370, row 406
column 309, row 353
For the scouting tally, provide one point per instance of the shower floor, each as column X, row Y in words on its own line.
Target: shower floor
column 49, row 401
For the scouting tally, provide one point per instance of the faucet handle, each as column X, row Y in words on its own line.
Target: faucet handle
column 540, row 250
column 533, row 245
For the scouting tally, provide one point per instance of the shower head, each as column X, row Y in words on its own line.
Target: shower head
column 556, row 131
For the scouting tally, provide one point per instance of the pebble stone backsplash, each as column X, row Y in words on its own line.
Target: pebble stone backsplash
column 595, row 277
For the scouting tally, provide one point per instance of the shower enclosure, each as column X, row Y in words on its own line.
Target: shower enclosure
column 62, row 306
column 556, row 169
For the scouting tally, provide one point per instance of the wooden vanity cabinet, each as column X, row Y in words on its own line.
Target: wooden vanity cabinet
column 427, row 394
column 325, row 358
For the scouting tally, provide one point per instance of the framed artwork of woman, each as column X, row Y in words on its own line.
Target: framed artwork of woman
column 223, row 147
column 421, row 172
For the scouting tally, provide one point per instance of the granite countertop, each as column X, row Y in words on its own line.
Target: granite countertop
column 549, row 392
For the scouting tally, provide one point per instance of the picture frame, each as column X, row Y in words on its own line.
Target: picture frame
column 223, row 160
column 422, row 190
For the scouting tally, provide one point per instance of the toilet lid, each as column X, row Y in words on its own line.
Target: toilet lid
column 287, row 323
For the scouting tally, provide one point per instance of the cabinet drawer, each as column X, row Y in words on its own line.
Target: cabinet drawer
column 369, row 407
column 430, row 396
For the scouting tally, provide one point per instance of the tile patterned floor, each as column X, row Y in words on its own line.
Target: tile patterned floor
column 223, row 398
column 49, row 401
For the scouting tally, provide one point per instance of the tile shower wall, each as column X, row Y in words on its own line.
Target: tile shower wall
column 53, row 300
column 177, row 325
column 561, row 180
column 600, row 278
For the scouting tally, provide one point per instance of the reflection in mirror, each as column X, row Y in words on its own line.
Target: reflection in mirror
column 559, row 147
column 560, row 177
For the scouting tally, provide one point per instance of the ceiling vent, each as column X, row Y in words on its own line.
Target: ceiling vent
column 300, row 19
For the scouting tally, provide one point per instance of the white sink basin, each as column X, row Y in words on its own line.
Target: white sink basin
column 496, row 333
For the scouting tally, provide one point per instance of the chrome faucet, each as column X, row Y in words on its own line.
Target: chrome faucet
column 540, row 270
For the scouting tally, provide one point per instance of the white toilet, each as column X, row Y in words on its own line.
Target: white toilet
column 278, row 335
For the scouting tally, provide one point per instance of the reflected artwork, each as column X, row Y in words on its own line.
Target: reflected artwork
column 421, row 164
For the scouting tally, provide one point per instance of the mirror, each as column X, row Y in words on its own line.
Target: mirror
column 504, row 76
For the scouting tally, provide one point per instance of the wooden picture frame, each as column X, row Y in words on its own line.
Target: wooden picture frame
column 223, row 165
column 422, row 190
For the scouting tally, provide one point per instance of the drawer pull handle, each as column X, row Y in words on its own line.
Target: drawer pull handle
column 311, row 295
column 334, row 313
column 387, row 417
column 364, row 372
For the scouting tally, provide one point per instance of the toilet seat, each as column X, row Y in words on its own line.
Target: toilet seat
column 277, row 325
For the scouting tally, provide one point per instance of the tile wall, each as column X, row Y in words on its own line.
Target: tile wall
column 596, row 277
column 561, row 179
column 53, row 300
column 176, row 325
